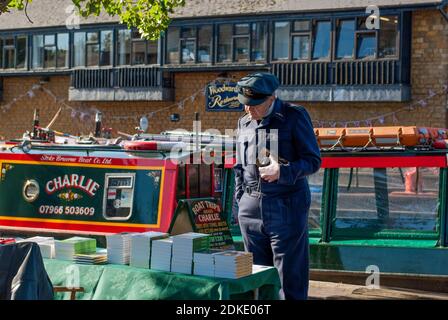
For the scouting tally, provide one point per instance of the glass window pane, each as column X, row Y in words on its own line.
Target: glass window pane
column 258, row 41
column 22, row 49
column 50, row 57
column 153, row 49
column 388, row 36
column 50, row 40
column 124, row 47
column 345, row 39
column 79, row 49
column 173, row 46
column 9, row 53
column 242, row 28
column 93, row 55
column 138, row 52
column 300, row 47
column 63, row 50
column 366, row 45
column 188, row 32
column 106, row 48
column 92, row 37
column 322, row 40
column 396, row 199
column 302, row 25
column 316, row 182
column 38, row 51
column 281, row 40
column 188, row 51
column 225, row 43
column 205, row 44
column 242, row 49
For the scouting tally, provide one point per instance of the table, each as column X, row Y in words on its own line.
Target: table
column 116, row 282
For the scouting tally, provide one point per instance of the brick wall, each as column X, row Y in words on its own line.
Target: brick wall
column 429, row 71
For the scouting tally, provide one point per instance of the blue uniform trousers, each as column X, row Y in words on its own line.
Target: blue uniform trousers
column 275, row 230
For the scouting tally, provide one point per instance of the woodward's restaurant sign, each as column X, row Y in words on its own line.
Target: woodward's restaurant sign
column 222, row 97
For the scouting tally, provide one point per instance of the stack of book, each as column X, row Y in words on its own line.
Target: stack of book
column 141, row 248
column 184, row 245
column 204, row 263
column 118, row 248
column 99, row 257
column 46, row 245
column 7, row 241
column 66, row 249
column 233, row 264
column 161, row 254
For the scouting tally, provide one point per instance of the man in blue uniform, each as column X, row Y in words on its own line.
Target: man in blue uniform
column 274, row 199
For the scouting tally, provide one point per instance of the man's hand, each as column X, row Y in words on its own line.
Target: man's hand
column 271, row 173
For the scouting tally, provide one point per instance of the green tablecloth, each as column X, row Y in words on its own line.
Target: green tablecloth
column 115, row 282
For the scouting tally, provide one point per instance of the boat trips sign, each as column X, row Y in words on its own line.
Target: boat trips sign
column 203, row 216
column 222, row 97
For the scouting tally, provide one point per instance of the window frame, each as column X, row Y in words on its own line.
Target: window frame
column 14, row 46
column 293, row 33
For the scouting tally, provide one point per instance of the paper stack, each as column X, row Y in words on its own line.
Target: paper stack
column 118, row 247
column 66, row 249
column 161, row 254
column 233, row 264
column 99, row 257
column 204, row 263
column 46, row 245
column 141, row 248
column 184, row 245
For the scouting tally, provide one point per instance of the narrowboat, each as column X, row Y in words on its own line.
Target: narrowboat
column 379, row 201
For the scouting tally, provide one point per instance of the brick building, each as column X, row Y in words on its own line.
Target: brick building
column 324, row 52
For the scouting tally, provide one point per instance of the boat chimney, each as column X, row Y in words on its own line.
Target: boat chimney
column 98, row 120
column 35, row 122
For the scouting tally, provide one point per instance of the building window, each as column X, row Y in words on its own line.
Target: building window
column 79, row 49
column 13, row 52
column 322, row 40
column 241, row 42
column 188, row 45
column 366, row 40
column 22, row 48
column 388, row 37
column 133, row 50
column 124, row 47
column 50, row 51
column 92, row 49
column 259, row 41
column 281, row 40
column 107, row 45
column 225, row 43
column 62, row 51
column 205, row 44
column 345, row 39
column 301, row 36
column 173, row 46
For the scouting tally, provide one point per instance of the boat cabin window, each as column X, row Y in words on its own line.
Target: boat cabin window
column 374, row 201
column 316, row 183
column 199, row 183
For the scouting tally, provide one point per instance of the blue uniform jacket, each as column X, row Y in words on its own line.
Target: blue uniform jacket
column 296, row 143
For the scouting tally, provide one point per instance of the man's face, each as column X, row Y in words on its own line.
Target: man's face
column 259, row 111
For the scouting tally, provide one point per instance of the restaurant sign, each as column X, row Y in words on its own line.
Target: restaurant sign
column 222, row 97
